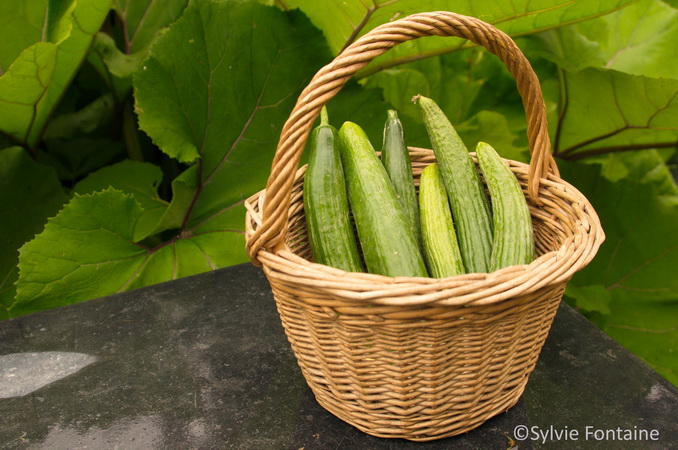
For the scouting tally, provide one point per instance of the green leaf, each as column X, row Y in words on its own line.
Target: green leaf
column 74, row 158
column 465, row 85
column 648, row 166
column 493, row 128
column 93, row 116
column 649, row 330
column 120, row 64
column 219, row 239
column 367, row 107
column 565, row 46
column 207, row 99
column 637, row 261
column 114, row 66
column 21, row 25
column 141, row 180
column 104, row 59
column 88, row 251
column 342, row 21
column 639, row 39
column 594, row 298
column 141, row 22
column 144, row 19
column 83, row 252
column 32, row 86
column 22, row 182
column 630, row 288
column 184, row 193
column 400, row 85
column 455, row 80
column 630, row 112
column 232, row 103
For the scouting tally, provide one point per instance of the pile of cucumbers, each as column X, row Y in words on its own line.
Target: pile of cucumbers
column 364, row 214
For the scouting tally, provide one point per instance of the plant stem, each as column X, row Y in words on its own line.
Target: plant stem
column 616, row 149
column 374, row 68
column 360, row 26
column 129, row 132
column 563, row 103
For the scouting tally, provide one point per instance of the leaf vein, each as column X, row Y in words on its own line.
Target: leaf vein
column 644, row 264
column 249, row 120
column 136, row 273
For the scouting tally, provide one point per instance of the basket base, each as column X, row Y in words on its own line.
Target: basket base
column 439, row 428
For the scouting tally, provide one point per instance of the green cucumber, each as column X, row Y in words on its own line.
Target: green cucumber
column 330, row 231
column 388, row 244
column 469, row 203
column 441, row 249
column 396, row 159
column 513, row 236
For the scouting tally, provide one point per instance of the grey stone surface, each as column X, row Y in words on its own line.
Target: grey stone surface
column 202, row 362
column 23, row 373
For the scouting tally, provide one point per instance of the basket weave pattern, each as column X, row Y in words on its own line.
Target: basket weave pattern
column 418, row 358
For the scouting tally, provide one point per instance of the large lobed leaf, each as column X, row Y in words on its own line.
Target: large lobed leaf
column 612, row 100
column 639, row 39
column 86, row 249
column 22, row 182
column 630, row 112
column 214, row 93
column 630, row 289
column 640, row 254
column 33, row 84
column 649, row 330
column 622, row 60
column 343, row 21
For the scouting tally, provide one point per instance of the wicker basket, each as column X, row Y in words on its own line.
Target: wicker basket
column 418, row 358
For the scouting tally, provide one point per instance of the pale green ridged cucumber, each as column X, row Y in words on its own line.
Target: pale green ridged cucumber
column 331, row 235
column 469, row 203
column 388, row 244
column 441, row 249
column 513, row 236
column 396, row 159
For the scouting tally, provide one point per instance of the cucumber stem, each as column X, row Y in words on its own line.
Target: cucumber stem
column 324, row 117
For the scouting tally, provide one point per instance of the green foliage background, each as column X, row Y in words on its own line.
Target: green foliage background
column 133, row 130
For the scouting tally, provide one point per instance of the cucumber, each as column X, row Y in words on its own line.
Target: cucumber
column 513, row 236
column 388, row 244
column 469, row 203
column 396, row 159
column 441, row 249
column 330, row 231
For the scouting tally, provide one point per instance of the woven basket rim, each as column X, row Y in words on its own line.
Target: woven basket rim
column 459, row 290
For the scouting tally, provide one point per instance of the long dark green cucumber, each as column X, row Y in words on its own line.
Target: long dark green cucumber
column 470, row 205
column 389, row 246
column 396, row 159
column 513, row 238
column 441, row 249
column 328, row 222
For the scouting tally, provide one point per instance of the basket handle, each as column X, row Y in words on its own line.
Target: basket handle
column 330, row 79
